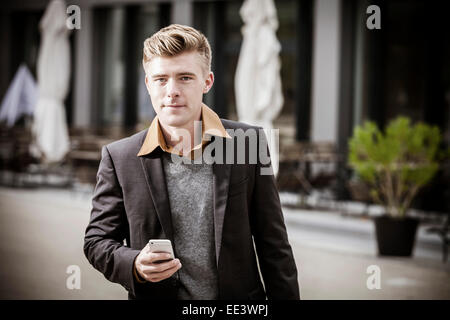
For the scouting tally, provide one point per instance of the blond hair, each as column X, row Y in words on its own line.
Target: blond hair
column 176, row 39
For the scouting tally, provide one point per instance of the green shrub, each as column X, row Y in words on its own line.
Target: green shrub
column 396, row 163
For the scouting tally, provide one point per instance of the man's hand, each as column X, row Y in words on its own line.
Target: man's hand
column 149, row 266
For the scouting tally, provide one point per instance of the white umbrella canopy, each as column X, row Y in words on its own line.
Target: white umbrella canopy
column 53, row 72
column 20, row 98
column 259, row 97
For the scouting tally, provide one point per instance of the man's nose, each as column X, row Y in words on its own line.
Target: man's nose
column 172, row 89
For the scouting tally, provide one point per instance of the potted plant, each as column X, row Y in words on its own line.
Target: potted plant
column 395, row 164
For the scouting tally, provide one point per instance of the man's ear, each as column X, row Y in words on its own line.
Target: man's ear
column 209, row 81
column 147, row 84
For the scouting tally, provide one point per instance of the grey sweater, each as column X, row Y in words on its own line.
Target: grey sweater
column 190, row 189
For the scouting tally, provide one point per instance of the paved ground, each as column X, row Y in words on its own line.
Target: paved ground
column 333, row 254
column 41, row 235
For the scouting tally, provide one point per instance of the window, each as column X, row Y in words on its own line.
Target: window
column 221, row 23
column 121, row 96
column 110, row 64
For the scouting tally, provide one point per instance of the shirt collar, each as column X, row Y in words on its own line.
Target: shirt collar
column 211, row 126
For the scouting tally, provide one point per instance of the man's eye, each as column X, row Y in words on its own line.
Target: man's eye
column 160, row 80
column 186, row 78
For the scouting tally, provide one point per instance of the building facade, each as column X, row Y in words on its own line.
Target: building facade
column 336, row 72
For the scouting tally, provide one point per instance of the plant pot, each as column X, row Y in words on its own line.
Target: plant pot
column 395, row 237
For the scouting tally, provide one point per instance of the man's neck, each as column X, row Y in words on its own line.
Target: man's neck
column 182, row 136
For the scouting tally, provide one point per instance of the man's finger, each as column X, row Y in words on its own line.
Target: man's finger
column 158, row 256
column 156, row 277
column 152, row 257
column 160, row 267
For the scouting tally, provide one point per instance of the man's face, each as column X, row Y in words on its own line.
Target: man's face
column 176, row 86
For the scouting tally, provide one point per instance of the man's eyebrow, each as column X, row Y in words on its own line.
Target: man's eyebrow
column 185, row 73
column 159, row 75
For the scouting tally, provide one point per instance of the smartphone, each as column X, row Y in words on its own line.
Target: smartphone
column 161, row 245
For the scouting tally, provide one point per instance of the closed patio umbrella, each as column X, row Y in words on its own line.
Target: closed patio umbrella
column 20, row 98
column 53, row 72
column 257, row 82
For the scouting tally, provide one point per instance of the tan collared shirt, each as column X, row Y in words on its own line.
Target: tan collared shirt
column 211, row 126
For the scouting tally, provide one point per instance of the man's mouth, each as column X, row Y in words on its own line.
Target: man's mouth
column 174, row 105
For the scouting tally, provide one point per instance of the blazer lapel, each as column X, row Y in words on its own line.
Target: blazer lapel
column 156, row 182
column 221, row 180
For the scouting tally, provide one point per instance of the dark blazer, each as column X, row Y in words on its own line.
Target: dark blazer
column 131, row 206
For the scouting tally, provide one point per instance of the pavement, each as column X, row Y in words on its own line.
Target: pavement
column 41, row 241
column 335, row 255
column 41, row 236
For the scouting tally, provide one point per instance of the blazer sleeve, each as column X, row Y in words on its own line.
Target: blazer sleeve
column 108, row 227
column 274, row 252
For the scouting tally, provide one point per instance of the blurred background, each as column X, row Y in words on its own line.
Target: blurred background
column 335, row 72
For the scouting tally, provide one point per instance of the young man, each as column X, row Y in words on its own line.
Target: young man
column 215, row 214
